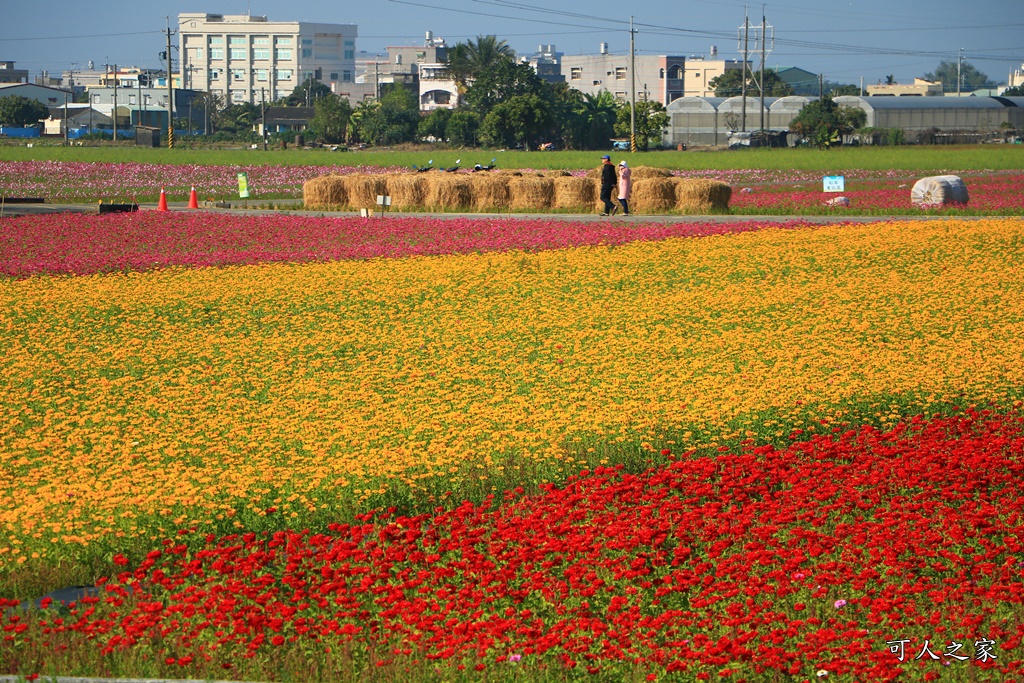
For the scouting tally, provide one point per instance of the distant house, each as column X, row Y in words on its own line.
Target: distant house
column 284, row 120
column 80, row 118
column 802, row 82
column 919, row 88
column 51, row 97
column 8, row 74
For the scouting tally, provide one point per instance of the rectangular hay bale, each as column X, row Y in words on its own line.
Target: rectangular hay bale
column 408, row 191
column 490, row 192
column 449, row 192
column 700, row 195
column 324, row 192
column 574, row 193
column 531, row 193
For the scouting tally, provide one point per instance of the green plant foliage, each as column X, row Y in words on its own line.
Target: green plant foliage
column 19, row 111
column 651, row 120
column 730, row 84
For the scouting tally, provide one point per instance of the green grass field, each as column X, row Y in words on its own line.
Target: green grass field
column 915, row 158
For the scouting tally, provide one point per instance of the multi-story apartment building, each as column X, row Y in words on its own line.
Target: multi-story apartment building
column 658, row 77
column 699, row 73
column 250, row 59
column 8, row 74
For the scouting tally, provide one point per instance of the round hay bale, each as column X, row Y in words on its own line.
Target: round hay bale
column 407, row 191
column 652, row 195
column 448, row 192
column 363, row 190
column 324, row 192
column 531, row 193
column 698, row 195
column 939, row 189
column 578, row 194
column 642, row 172
column 490, row 192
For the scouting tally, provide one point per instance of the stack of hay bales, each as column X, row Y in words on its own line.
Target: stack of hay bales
column 408, row 191
column 531, row 193
column 698, row 195
column 490, row 192
column 325, row 192
column 655, row 191
column 575, row 194
column 448, row 192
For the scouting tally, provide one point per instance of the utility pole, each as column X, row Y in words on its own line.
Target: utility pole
column 764, row 54
column 959, row 65
column 743, row 81
column 632, row 89
column 263, row 117
column 170, row 91
column 65, row 118
column 115, row 103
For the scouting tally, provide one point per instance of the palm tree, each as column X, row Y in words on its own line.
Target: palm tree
column 599, row 112
column 486, row 50
column 466, row 60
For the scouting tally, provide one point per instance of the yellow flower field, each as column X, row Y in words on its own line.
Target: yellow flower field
column 137, row 403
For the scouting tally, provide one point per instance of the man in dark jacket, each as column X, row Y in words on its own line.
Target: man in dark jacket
column 609, row 179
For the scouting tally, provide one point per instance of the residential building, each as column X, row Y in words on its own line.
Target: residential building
column 284, row 120
column 547, row 62
column 919, row 88
column 699, row 72
column 144, row 106
column 436, row 89
column 8, row 74
column 1016, row 78
column 79, row 119
column 802, row 82
column 51, row 97
column 247, row 58
column 658, row 77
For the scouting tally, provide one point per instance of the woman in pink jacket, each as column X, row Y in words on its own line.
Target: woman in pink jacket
column 625, row 186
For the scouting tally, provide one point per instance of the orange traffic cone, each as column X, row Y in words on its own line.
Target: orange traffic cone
column 162, row 204
column 193, row 200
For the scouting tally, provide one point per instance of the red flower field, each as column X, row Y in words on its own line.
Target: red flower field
column 852, row 554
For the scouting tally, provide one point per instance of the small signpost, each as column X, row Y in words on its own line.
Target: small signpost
column 383, row 201
column 243, row 185
column 834, row 183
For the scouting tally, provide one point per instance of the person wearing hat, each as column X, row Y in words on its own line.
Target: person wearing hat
column 625, row 186
column 608, row 181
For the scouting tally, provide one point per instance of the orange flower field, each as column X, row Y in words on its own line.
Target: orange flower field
column 137, row 403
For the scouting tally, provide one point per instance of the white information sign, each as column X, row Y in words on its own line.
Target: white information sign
column 834, row 183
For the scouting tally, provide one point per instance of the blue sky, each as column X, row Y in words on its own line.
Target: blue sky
column 845, row 41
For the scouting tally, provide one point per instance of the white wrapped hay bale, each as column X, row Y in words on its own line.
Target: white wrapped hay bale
column 939, row 189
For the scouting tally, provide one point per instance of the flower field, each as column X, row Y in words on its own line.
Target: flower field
column 757, row 191
column 690, row 451
column 997, row 194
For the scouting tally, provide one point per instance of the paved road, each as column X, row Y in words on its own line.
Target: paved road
column 10, row 210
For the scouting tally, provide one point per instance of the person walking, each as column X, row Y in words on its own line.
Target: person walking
column 608, row 181
column 625, row 186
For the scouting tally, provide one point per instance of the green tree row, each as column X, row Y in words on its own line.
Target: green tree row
column 501, row 103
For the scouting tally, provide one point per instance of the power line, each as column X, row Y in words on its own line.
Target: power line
column 97, row 35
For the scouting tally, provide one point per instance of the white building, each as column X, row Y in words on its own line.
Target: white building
column 658, row 77
column 1017, row 77
column 437, row 89
column 250, row 59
